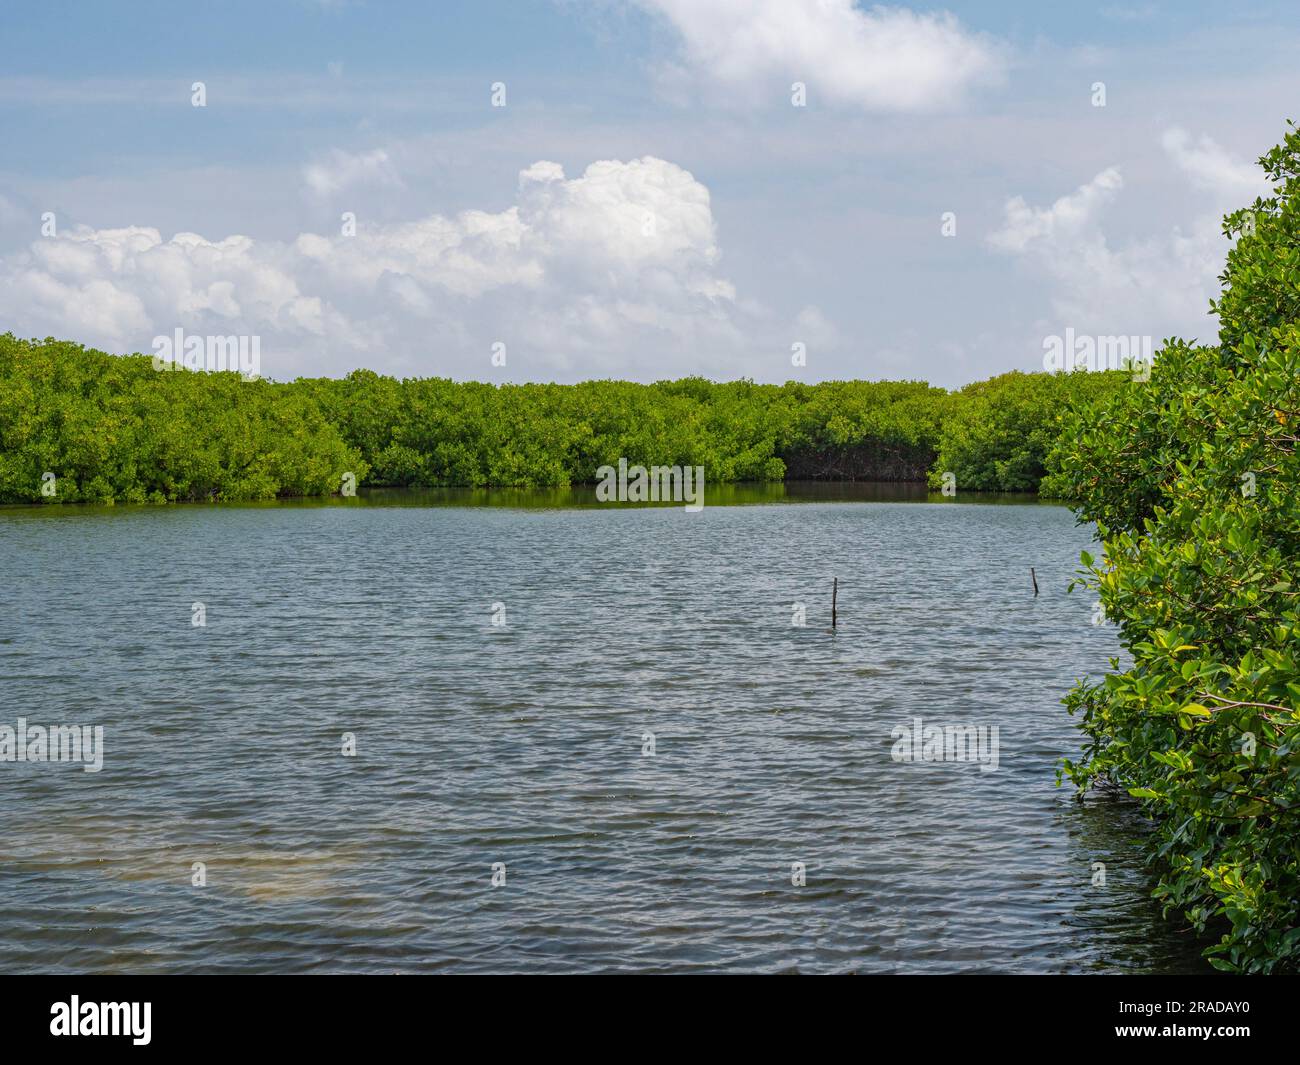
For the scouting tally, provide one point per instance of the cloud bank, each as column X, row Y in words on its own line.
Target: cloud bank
column 623, row 260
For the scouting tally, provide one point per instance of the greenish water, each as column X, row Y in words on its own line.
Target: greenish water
column 626, row 629
column 577, row 496
column 749, row 494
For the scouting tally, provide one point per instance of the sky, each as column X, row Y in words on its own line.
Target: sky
column 559, row 190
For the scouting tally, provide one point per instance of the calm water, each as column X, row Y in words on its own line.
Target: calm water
column 523, row 744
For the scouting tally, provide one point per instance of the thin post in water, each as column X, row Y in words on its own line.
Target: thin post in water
column 835, row 594
column 1034, row 579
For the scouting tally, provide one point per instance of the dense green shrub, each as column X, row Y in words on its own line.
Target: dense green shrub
column 1194, row 481
column 113, row 428
column 997, row 433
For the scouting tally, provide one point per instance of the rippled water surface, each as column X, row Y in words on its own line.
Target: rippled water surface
column 523, row 744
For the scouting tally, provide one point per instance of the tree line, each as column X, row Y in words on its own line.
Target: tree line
column 106, row 428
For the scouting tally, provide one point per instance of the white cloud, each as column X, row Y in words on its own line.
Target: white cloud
column 120, row 287
column 1067, row 219
column 882, row 59
column 1158, row 286
column 576, row 274
column 1212, row 169
column 342, row 170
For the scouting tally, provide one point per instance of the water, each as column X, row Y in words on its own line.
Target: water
column 523, row 744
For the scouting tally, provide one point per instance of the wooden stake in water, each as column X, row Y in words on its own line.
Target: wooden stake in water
column 835, row 594
column 1035, row 580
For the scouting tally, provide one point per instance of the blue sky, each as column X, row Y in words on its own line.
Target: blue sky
column 676, row 213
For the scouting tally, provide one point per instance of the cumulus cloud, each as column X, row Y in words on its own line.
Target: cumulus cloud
column 1067, row 220
column 882, row 59
column 1158, row 286
column 577, row 272
column 119, row 287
